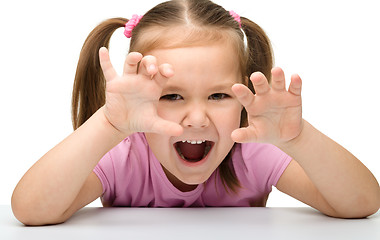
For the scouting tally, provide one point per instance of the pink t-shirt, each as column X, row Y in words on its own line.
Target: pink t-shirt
column 132, row 176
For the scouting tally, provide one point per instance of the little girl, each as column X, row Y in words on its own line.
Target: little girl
column 198, row 118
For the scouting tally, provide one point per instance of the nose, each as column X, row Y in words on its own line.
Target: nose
column 196, row 116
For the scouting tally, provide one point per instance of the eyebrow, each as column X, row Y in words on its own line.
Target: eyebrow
column 222, row 86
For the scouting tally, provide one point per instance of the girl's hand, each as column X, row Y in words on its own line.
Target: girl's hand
column 274, row 114
column 131, row 99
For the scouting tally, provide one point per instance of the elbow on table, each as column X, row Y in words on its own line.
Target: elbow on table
column 358, row 214
column 362, row 209
column 29, row 215
column 374, row 208
column 31, row 219
column 371, row 205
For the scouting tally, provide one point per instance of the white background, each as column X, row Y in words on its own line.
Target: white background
column 333, row 45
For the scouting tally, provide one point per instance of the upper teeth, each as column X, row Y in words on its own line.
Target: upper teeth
column 194, row 141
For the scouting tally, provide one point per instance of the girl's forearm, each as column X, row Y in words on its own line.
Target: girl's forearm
column 341, row 178
column 52, row 183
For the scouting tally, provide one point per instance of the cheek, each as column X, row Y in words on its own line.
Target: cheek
column 228, row 119
column 166, row 112
column 159, row 145
column 153, row 140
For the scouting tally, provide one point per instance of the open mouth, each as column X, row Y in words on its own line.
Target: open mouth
column 193, row 150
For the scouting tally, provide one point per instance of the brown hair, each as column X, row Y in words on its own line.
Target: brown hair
column 200, row 22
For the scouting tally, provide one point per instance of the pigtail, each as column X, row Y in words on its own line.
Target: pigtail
column 260, row 54
column 89, row 84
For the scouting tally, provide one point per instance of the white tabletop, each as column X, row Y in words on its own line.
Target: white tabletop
column 195, row 223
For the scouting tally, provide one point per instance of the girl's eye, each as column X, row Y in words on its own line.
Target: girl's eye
column 171, row 97
column 218, row 96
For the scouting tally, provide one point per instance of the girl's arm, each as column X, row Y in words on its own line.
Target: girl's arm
column 51, row 185
column 328, row 177
column 324, row 174
column 62, row 181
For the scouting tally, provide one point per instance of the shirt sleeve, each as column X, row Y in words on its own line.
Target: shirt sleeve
column 265, row 163
column 104, row 172
column 107, row 167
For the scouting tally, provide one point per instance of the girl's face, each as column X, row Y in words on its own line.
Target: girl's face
column 199, row 98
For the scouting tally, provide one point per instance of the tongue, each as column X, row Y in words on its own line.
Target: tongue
column 192, row 151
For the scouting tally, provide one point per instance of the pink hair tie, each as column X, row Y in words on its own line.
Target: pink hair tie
column 131, row 24
column 236, row 17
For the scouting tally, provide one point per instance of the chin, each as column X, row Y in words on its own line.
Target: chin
column 194, row 181
column 194, row 178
